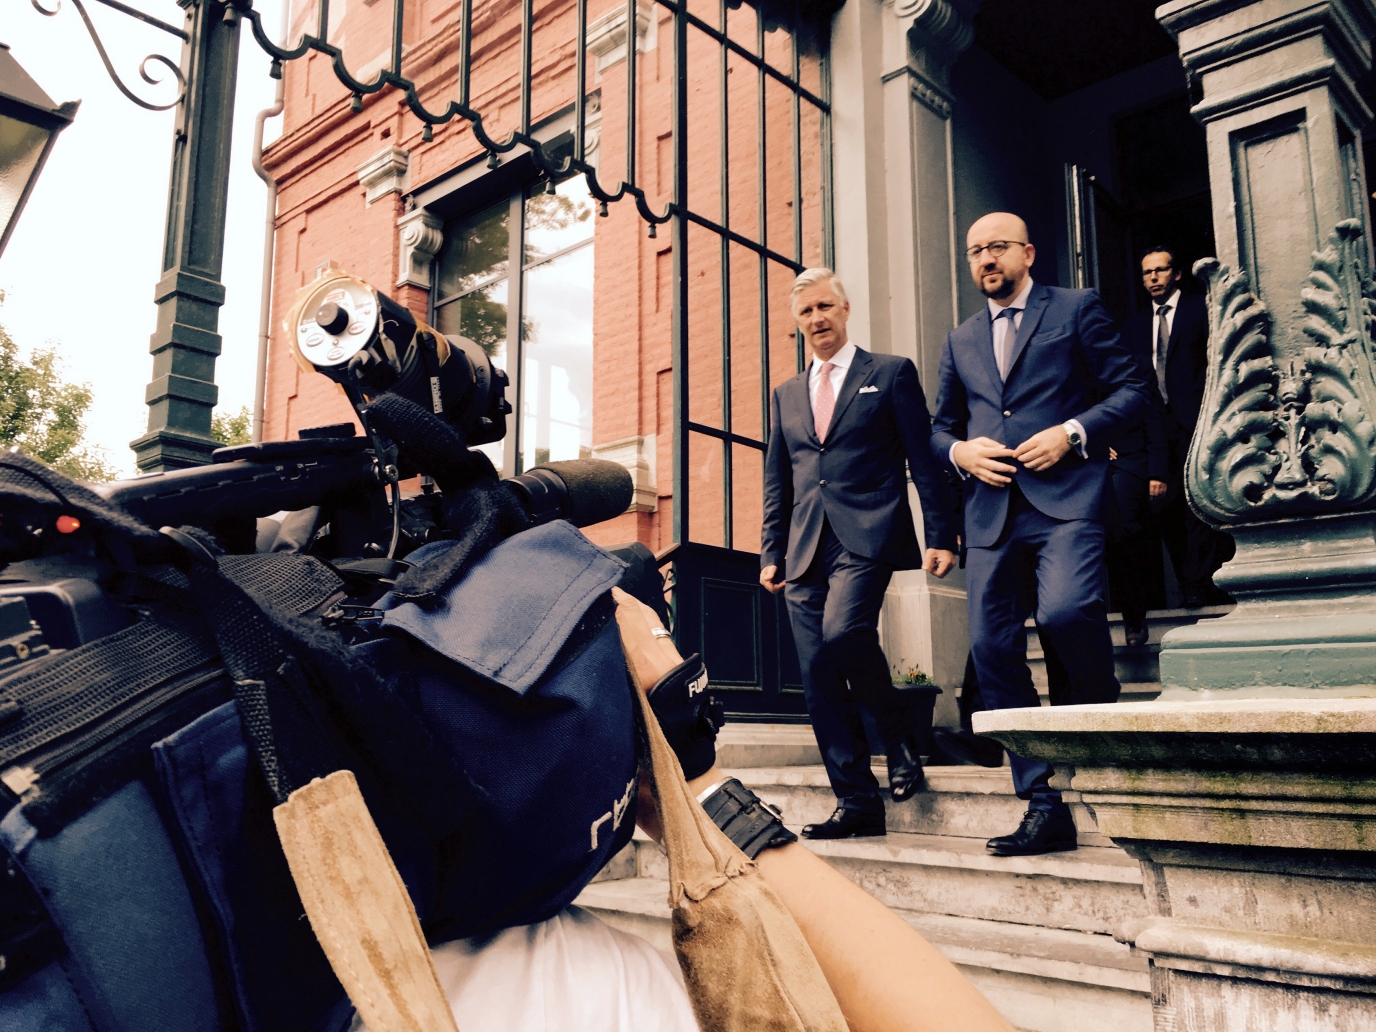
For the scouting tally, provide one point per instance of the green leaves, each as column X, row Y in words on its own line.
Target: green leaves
column 43, row 414
column 233, row 427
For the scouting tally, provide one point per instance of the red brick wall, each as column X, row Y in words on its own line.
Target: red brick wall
column 322, row 217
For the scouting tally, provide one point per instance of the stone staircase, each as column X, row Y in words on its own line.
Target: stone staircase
column 1035, row 934
column 1137, row 667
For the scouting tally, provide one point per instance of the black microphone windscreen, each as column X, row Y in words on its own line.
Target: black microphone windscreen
column 598, row 489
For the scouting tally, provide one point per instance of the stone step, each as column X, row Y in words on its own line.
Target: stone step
column 1092, row 889
column 767, row 745
column 1042, row 979
column 964, row 802
column 1137, row 667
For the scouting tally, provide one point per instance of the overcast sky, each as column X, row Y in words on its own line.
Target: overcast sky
column 80, row 269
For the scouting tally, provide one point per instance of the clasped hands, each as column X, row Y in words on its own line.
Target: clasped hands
column 980, row 457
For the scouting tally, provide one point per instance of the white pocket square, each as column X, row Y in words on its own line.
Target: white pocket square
column 869, row 390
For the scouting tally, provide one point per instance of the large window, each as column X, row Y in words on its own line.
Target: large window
column 537, row 325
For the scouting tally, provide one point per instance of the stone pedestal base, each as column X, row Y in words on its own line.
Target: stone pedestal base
column 1255, row 824
column 1305, row 620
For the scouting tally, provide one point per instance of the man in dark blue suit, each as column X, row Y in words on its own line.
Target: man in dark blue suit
column 836, row 526
column 1032, row 392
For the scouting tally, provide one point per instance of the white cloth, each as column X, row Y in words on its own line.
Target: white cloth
column 1167, row 309
column 840, row 364
column 1001, row 330
column 572, row 973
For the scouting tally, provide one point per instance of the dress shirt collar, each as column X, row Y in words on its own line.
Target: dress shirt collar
column 1168, row 303
column 1018, row 302
column 841, row 360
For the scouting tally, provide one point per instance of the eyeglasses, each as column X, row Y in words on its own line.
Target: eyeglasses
column 1163, row 270
column 996, row 248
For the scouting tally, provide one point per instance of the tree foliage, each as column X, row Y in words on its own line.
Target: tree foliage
column 44, row 415
column 231, row 428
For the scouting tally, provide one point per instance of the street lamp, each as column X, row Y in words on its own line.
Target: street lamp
column 29, row 123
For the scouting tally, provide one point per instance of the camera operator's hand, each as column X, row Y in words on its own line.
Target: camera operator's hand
column 677, row 687
column 478, row 511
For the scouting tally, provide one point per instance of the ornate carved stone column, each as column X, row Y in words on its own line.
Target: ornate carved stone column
column 1283, row 453
column 1247, row 791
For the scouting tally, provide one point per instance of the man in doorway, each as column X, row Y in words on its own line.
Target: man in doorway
column 836, row 525
column 1174, row 331
column 1032, row 391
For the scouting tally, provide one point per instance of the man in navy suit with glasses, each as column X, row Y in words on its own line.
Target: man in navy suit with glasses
column 1032, row 391
column 836, row 525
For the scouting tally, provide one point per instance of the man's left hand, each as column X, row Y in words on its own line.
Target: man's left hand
column 1042, row 451
column 939, row 562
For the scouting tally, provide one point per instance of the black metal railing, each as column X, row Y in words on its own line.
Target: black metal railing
column 788, row 47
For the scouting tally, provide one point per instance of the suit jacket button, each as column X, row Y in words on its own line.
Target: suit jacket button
column 821, row 483
column 1006, row 413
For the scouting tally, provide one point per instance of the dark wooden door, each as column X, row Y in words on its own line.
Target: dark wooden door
column 741, row 630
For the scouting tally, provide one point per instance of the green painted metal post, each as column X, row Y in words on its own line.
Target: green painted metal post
column 189, row 294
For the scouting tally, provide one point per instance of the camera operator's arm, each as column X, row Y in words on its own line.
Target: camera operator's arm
column 885, row 976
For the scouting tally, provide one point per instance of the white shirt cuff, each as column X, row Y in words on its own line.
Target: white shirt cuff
column 951, row 456
column 1083, row 449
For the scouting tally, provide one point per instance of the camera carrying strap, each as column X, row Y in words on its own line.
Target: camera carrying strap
column 78, row 717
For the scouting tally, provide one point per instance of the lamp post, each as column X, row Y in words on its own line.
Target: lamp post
column 29, row 123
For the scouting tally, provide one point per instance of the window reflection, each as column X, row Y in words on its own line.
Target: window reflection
column 558, row 220
column 475, row 251
column 481, row 317
column 556, row 389
column 475, row 297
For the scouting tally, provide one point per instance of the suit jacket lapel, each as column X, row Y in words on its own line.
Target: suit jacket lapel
column 1031, row 317
column 1176, row 328
column 983, row 330
column 799, row 384
column 850, row 386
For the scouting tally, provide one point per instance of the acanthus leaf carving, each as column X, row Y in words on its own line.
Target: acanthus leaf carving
column 1294, row 435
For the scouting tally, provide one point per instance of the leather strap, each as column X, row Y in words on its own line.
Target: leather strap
column 747, row 820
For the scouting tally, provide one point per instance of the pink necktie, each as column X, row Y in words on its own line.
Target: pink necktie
column 826, row 402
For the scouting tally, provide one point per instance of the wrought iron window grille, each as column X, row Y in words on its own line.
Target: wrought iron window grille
column 175, row 436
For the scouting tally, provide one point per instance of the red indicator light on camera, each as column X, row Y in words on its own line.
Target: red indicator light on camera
column 68, row 524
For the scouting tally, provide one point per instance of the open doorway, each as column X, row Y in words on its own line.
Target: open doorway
column 1076, row 115
column 1055, row 85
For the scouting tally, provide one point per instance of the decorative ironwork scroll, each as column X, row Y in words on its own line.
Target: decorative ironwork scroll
column 1293, row 436
column 144, row 73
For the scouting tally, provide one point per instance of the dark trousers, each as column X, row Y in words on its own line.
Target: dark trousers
column 1060, row 565
column 834, row 611
column 1195, row 548
column 1134, row 554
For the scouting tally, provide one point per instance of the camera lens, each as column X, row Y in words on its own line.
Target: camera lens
column 331, row 318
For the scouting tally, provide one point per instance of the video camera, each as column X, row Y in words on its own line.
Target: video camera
column 370, row 345
column 182, row 653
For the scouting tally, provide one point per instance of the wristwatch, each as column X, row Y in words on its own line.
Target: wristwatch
column 748, row 821
column 1072, row 436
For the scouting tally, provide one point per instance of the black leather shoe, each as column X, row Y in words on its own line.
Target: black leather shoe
column 969, row 747
column 1135, row 637
column 905, row 771
column 847, row 823
column 1039, row 832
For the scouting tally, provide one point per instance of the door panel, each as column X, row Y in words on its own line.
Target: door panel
column 741, row 630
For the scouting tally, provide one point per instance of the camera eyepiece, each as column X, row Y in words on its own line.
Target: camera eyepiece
column 331, row 318
column 359, row 337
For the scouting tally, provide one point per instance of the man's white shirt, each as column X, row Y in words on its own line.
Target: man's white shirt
column 1001, row 330
column 840, row 365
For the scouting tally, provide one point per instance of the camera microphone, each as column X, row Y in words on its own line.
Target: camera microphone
column 582, row 491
